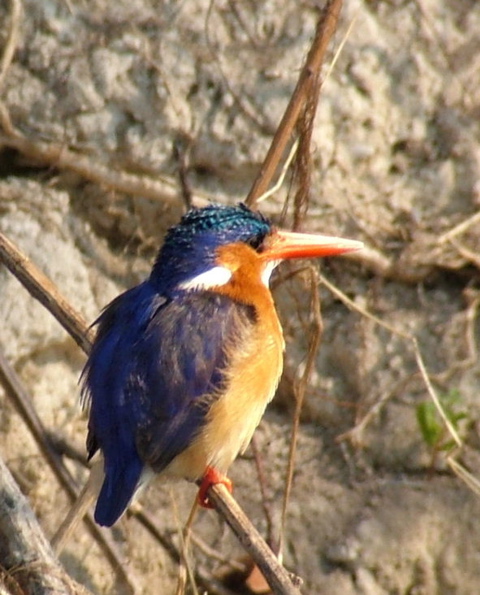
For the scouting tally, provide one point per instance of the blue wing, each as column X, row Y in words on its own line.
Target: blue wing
column 152, row 362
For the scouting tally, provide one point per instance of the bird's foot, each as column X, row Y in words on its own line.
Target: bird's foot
column 211, row 477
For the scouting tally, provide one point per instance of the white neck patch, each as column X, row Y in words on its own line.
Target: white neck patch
column 214, row 277
column 268, row 270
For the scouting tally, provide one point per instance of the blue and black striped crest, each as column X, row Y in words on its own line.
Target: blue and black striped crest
column 190, row 246
column 227, row 224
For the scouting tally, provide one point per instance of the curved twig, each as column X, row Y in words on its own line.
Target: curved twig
column 44, row 291
column 325, row 29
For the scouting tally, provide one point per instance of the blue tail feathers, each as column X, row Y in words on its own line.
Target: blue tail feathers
column 117, row 491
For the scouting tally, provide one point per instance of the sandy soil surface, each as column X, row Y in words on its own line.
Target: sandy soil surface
column 146, row 88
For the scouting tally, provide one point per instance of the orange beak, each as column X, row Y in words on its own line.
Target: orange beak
column 286, row 244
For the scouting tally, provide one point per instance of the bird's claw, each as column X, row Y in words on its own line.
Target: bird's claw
column 211, row 477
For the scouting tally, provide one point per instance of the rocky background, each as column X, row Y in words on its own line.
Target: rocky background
column 106, row 105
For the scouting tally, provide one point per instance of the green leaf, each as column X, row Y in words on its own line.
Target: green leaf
column 430, row 427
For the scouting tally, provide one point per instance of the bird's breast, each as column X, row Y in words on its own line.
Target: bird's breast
column 254, row 368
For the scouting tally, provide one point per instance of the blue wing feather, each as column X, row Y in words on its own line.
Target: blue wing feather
column 190, row 339
column 152, row 362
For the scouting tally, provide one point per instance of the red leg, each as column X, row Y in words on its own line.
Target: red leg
column 211, row 477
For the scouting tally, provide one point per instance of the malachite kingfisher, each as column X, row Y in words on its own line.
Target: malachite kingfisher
column 184, row 364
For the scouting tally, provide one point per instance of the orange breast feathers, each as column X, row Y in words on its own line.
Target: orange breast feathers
column 254, row 371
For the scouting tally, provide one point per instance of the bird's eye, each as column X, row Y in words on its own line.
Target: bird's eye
column 257, row 243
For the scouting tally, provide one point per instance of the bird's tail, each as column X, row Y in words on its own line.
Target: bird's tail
column 117, row 491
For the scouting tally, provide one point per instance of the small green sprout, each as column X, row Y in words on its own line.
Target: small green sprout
column 432, row 428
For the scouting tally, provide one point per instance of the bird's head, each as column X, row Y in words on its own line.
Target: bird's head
column 201, row 251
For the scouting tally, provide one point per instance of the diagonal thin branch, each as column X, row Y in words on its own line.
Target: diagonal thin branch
column 22, row 403
column 409, row 337
column 11, row 42
column 325, row 28
column 300, row 391
column 28, row 563
column 90, row 168
column 43, row 290
column 281, row 582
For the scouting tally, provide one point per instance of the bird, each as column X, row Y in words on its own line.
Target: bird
column 184, row 364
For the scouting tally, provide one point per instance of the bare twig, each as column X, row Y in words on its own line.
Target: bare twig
column 283, row 173
column 280, row 581
column 24, row 551
column 468, row 254
column 459, row 229
column 43, row 290
column 79, row 509
column 185, row 570
column 325, row 29
column 300, row 390
column 223, row 557
column 11, row 42
column 61, row 157
column 303, row 157
column 22, row 403
column 202, row 576
column 470, row 480
column 355, row 434
column 416, row 350
column 262, row 482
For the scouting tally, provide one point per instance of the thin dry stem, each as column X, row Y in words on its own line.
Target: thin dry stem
column 459, row 229
column 23, row 404
column 300, row 390
column 185, row 569
column 416, row 350
column 43, row 290
column 80, row 508
column 470, row 480
column 262, row 482
column 468, row 254
column 325, row 29
column 283, row 174
column 11, row 43
column 160, row 188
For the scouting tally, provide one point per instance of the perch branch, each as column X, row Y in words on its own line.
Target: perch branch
column 280, row 581
column 43, row 290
